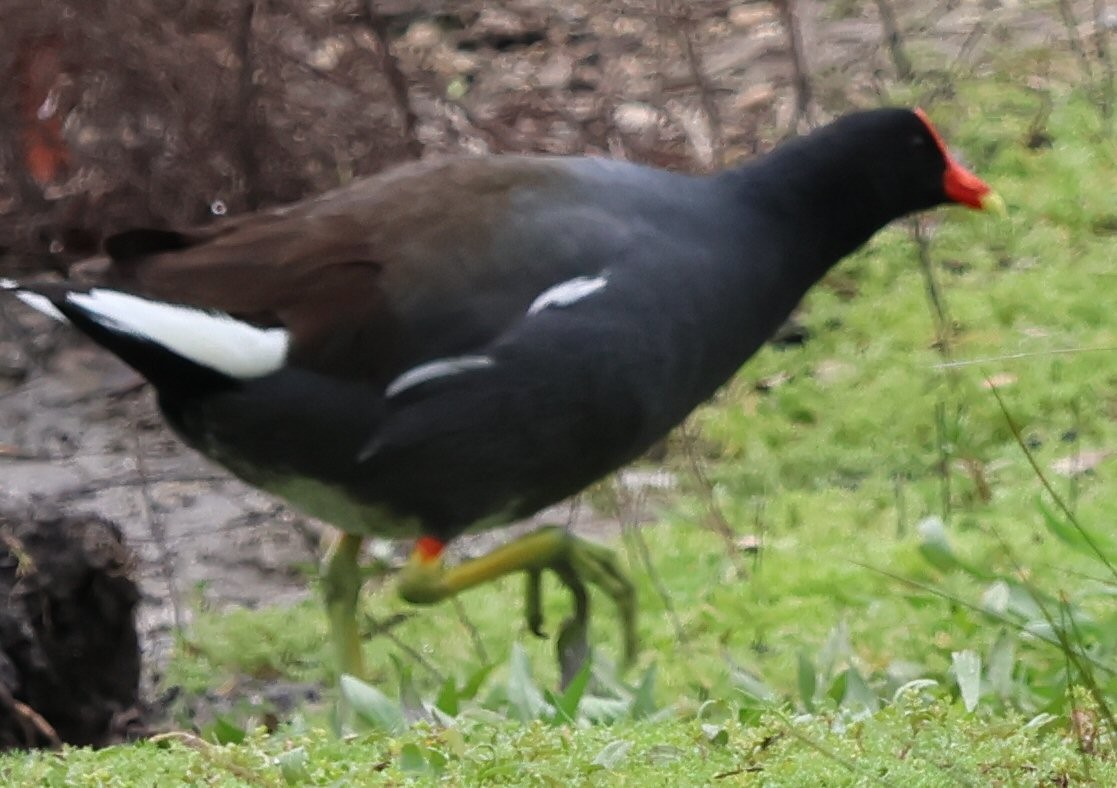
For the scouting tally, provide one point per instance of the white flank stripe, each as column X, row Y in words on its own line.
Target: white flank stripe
column 211, row 339
column 436, row 369
column 567, row 293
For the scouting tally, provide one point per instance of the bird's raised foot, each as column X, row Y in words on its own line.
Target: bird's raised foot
column 598, row 566
column 576, row 562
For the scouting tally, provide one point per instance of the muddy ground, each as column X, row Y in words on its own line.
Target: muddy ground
column 684, row 85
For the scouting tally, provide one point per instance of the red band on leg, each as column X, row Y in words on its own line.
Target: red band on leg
column 428, row 548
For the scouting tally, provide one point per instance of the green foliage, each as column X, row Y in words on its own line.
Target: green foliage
column 915, row 741
column 520, row 698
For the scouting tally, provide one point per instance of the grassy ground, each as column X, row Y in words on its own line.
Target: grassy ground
column 895, row 625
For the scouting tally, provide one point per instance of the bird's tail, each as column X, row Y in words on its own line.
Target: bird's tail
column 166, row 343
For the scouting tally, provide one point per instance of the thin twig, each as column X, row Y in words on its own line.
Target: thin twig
column 397, row 83
column 968, row 46
column 1037, row 136
column 895, row 40
column 1068, row 670
column 215, row 753
column 715, row 519
column 983, row 360
column 11, row 453
column 942, row 445
column 685, row 27
column 628, row 511
column 474, row 633
column 39, row 722
column 1088, row 679
column 384, row 629
column 1105, row 55
column 1070, row 21
column 804, row 96
column 942, row 330
column 1018, row 436
column 901, row 505
column 922, row 241
column 100, row 485
column 1076, row 656
column 791, row 729
column 973, row 607
column 158, row 531
column 184, row 738
column 1076, row 456
column 31, row 720
column 248, row 143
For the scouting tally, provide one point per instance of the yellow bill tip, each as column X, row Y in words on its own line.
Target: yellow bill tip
column 993, row 203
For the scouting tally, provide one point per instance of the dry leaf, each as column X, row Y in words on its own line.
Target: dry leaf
column 1080, row 462
column 998, row 381
column 773, row 381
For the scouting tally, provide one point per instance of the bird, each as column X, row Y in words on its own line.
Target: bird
column 462, row 341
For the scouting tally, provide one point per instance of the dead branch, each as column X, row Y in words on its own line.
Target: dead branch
column 1038, row 136
column 384, row 628
column 684, row 24
column 479, row 649
column 1105, row 55
column 894, row 39
column 716, row 520
column 968, row 46
column 942, row 448
column 31, row 721
column 247, row 141
column 921, row 237
column 158, row 531
column 38, row 722
column 397, row 83
column 628, row 511
column 801, row 82
column 1070, row 21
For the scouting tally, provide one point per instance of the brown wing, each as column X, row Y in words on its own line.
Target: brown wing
column 370, row 278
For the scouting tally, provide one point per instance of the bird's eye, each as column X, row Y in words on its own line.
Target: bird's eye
column 918, row 141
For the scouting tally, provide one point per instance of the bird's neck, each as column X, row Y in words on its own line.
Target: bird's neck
column 821, row 207
column 797, row 215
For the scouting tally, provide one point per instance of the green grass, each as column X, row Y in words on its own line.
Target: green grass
column 788, row 661
column 914, row 742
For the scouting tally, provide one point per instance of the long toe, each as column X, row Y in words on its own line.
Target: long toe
column 572, row 645
column 533, row 602
column 598, row 565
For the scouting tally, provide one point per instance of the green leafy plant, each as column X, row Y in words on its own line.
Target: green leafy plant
column 596, row 695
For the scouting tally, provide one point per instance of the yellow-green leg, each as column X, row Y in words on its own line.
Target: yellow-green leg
column 425, row 580
column 341, row 583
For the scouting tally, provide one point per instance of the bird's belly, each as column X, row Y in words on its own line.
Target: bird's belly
column 332, row 504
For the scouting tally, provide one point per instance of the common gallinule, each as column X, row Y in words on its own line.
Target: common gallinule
column 461, row 342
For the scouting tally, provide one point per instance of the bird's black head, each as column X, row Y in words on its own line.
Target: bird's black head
column 901, row 162
column 826, row 193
